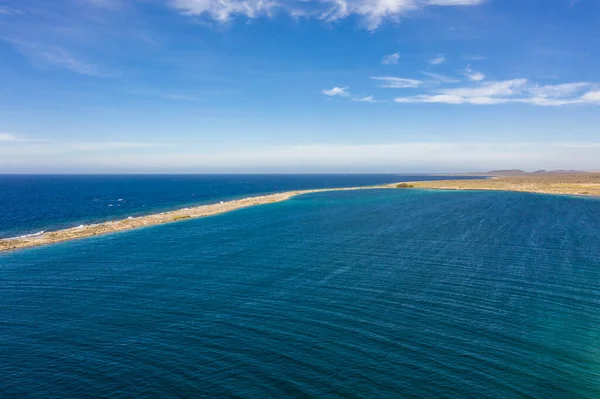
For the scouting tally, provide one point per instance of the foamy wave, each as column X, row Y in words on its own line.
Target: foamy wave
column 39, row 233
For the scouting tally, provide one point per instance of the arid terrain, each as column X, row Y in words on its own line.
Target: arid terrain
column 571, row 184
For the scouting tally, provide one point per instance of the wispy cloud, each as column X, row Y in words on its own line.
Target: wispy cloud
column 391, row 82
column 366, row 99
column 439, row 78
column 8, row 137
column 13, row 138
column 390, row 59
column 438, row 59
column 58, row 57
column 473, row 75
column 560, row 90
column 343, row 92
column 371, row 12
column 511, row 91
column 336, row 91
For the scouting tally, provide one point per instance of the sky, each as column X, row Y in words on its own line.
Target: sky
column 298, row 86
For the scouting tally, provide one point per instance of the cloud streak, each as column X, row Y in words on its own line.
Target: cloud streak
column 437, row 60
column 390, row 59
column 60, row 58
column 371, row 12
column 439, row 78
column 511, row 91
column 392, row 82
column 336, row 91
column 473, row 75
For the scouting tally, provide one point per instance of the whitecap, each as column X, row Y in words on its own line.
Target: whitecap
column 39, row 233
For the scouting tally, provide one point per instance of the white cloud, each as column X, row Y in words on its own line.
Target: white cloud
column 560, row 90
column 439, row 78
column 391, row 82
column 473, row 75
column 223, row 10
column 390, row 59
column 485, row 93
column 372, row 12
column 591, row 97
column 510, row 91
column 13, row 138
column 366, row 99
column 489, row 89
column 438, row 59
column 8, row 137
column 336, row 91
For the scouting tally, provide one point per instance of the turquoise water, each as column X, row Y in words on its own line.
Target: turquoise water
column 368, row 294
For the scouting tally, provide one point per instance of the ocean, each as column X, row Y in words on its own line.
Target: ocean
column 34, row 203
column 364, row 294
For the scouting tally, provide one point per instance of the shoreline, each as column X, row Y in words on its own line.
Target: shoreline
column 580, row 185
column 131, row 223
column 573, row 185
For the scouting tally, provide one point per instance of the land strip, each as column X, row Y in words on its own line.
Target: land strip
column 579, row 184
column 568, row 184
column 154, row 219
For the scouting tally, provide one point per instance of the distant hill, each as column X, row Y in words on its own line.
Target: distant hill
column 506, row 172
column 520, row 172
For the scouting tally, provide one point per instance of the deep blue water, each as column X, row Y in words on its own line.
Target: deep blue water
column 31, row 204
column 370, row 294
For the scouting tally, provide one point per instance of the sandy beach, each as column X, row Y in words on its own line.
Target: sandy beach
column 584, row 184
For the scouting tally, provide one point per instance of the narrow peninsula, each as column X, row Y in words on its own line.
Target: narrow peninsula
column 562, row 184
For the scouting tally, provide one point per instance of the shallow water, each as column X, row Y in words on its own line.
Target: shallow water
column 384, row 293
column 31, row 204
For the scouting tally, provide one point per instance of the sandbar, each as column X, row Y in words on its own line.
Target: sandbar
column 580, row 184
column 130, row 223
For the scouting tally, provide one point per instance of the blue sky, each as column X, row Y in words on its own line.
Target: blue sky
column 299, row 85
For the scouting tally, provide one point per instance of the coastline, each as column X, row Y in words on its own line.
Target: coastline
column 580, row 185
column 130, row 223
column 587, row 185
